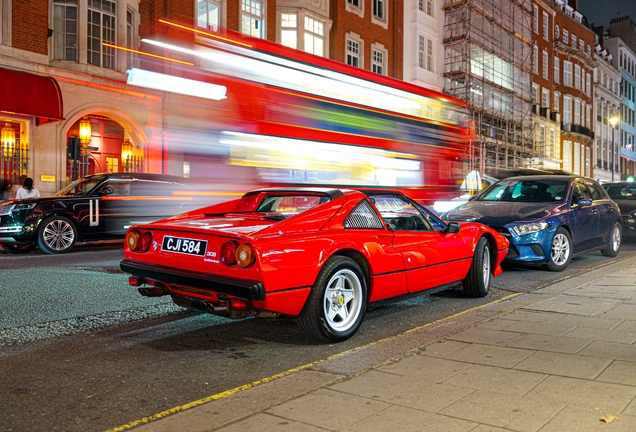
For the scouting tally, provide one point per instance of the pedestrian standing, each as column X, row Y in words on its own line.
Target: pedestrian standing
column 18, row 185
column 27, row 190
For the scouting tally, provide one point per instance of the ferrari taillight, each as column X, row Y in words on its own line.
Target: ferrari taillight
column 132, row 240
column 228, row 253
column 145, row 240
column 138, row 241
column 245, row 255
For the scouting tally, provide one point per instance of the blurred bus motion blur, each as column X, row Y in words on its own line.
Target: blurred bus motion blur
column 265, row 114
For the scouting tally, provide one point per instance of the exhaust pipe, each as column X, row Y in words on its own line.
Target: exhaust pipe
column 153, row 291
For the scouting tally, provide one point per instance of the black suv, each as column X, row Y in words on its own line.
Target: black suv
column 95, row 208
column 624, row 194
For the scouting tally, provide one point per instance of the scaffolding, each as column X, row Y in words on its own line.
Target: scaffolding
column 488, row 63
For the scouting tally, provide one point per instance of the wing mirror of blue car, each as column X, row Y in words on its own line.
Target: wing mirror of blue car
column 584, row 202
column 452, row 227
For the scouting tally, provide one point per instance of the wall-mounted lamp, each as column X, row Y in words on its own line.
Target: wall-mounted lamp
column 8, row 136
column 85, row 133
column 126, row 150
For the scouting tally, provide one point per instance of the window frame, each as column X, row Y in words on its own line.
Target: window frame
column 354, row 39
column 104, row 51
column 58, row 33
column 253, row 17
column 379, row 48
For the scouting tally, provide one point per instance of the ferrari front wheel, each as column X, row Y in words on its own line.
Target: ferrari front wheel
column 337, row 303
column 477, row 281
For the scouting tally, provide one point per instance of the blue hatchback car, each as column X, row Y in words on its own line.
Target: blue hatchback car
column 547, row 219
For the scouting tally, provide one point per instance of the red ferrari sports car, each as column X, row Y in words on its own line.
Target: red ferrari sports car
column 321, row 255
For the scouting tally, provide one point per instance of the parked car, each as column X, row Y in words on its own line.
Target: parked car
column 624, row 194
column 547, row 219
column 95, row 208
column 321, row 255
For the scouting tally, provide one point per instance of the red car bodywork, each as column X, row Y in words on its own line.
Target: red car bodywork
column 290, row 253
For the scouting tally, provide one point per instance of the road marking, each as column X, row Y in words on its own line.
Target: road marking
column 244, row 387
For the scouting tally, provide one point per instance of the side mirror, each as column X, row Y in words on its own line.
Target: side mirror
column 452, row 227
column 108, row 190
column 584, row 202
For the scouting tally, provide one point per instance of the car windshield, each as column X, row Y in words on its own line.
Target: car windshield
column 81, row 187
column 526, row 191
column 621, row 191
column 281, row 206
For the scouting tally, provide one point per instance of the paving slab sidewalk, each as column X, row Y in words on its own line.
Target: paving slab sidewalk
column 559, row 359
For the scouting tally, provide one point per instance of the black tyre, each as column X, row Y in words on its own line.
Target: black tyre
column 337, row 303
column 561, row 251
column 477, row 281
column 614, row 242
column 18, row 249
column 56, row 234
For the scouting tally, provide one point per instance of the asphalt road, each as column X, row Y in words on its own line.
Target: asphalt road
column 81, row 350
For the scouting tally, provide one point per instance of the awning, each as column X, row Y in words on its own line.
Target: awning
column 32, row 95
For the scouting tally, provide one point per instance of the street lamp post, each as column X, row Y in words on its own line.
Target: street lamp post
column 613, row 122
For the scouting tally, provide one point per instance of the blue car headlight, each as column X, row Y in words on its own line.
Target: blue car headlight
column 530, row 228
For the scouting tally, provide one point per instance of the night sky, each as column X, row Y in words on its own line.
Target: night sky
column 600, row 12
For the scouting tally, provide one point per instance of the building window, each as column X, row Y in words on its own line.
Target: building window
column 356, row 7
column 379, row 10
column 545, row 98
column 588, row 84
column 556, row 102
column 588, row 116
column 567, row 73
column 314, row 36
column 353, row 53
column 581, row 45
column 289, row 30
column 551, row 144
column 378, row 60
column 545, row 65
column 208, row 14
column 557, row 32
column 65, row 30
column 542, row 136
column 535, row 18
column 567, row 156
column 566, row 37
column 546, row 25
column 557, row 71
column 574, row 41
column 252, row 18
column 567, row 109
column 101, row 28
column 130, row 40
column 425, row 54
column 426, row 6
column 535, row 59
column 577, row 112
column 577, row 77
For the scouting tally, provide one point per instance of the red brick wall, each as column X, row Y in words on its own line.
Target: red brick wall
column 392, row 38
column 30, row 25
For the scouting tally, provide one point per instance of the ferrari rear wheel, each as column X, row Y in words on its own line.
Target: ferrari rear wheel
column 614, row 242
column 18, row 248
column 477, row 281
column 57, row 234
column 561, row 251
column 337, row 303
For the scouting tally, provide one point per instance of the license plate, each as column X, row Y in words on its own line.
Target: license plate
column 185, row 246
